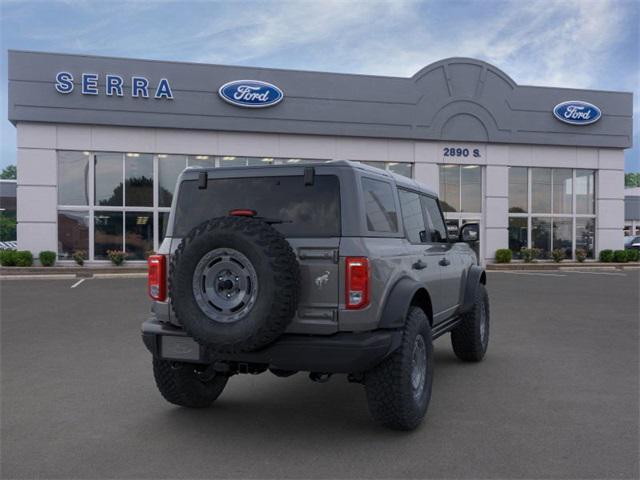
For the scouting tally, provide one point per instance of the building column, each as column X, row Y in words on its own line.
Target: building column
column 610, row 200
column 496, row 210
column 36, row 194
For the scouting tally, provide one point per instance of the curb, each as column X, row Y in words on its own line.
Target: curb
column 561, row 266
column 80, row 272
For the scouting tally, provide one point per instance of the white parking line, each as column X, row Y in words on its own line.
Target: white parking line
column 598, row 273
column 78, row 283
column 532, row 273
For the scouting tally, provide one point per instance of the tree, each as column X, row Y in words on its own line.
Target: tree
column 632, row 180
column 9, row 173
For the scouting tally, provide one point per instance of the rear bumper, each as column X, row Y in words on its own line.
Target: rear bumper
column 339, row 353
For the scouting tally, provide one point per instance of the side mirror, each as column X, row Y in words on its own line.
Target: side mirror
column 453, row 233
column 470, row 232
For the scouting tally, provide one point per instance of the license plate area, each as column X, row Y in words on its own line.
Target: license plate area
column 179, row 348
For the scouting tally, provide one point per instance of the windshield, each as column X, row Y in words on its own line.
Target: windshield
column 296, row 209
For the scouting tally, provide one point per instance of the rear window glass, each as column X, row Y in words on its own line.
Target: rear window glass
column 380, row 207
column 305, row 210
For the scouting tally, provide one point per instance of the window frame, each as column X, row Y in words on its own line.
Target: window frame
column 529, row 214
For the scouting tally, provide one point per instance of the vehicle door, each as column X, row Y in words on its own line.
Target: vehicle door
column 450, row 267
column 422, row 262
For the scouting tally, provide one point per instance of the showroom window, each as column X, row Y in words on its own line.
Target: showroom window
column 461, row 194
column 551, row 208
column 121, row 200
column 401, row 168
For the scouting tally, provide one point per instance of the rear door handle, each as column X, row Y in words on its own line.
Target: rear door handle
column 419, row 265
column 444, row 262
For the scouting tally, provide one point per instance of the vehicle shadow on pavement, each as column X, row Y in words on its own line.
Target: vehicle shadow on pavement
column 293, row 406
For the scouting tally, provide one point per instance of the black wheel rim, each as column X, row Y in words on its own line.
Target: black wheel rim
column 225, row 285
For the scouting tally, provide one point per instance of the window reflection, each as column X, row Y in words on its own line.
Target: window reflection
column 541, row 235
column 73, row 178
column 541, row 190
column 138, row 169
column 108, row 233
column 108, row 179
column 518, row 190
column 380, row 208
column 471, row 188
column 585, row 191
column 73, row 233
column 412, row 216
column 585, row 235
column 139, row 234
column 562, row 190
column 450, row 188
column 163, row 221
column 562, row 235
column 404, row 169
column 201, row 161
column 517, row 235
column 169, row 167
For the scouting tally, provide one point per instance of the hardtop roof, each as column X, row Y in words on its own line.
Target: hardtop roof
column 399, row 180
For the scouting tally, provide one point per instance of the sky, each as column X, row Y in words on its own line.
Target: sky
column 566, row 43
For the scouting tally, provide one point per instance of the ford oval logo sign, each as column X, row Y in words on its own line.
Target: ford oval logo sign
column 577, row 112
column 251, row 93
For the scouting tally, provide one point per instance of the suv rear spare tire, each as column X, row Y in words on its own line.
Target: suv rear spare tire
column 234, row 284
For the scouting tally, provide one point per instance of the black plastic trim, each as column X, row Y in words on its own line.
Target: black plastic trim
column 473, row 279
column 345, row 352
column 398, row 302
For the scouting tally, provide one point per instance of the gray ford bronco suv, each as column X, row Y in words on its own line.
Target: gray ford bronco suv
column 327, row 268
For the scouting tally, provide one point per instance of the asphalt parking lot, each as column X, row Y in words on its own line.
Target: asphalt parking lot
column 556, row 397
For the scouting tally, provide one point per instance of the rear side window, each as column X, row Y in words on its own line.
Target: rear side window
column 412, row 216
column 436, row 223
column 380, row 208
column 303, row 210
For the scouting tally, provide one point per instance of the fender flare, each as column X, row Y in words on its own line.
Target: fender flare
column 397, row 303
column 475, row 276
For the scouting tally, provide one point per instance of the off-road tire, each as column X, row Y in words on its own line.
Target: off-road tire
column 469, row 344
column 388, row 386
column 278, row 288
column 179, row 384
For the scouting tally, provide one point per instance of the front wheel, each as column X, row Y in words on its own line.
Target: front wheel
column 399, row 389
column 180, row 384
column 470, row 338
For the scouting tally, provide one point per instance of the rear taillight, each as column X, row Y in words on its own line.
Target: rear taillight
column 157, row 277
column 357, row 282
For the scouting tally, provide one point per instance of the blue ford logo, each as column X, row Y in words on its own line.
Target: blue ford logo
column 576, row 112
column 250, row 93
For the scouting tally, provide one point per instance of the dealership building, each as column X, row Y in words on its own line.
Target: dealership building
column 102, row 140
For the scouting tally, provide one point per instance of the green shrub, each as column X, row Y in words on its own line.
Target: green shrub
column 117, row 257
column 558, row 255
column 8, row 258
column 633, row 255
column 620, row 256
column 148, row 253
column 47, row 258
column 79, row 256
column 581, row 254
column 606, row 255
column 526, row 254
column 503, row 255
column 24, row 258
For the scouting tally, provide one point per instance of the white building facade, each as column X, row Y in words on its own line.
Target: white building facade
column 96, row 171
